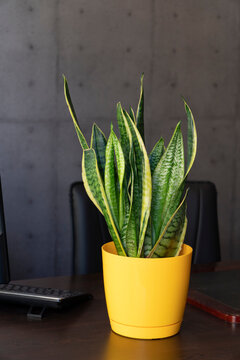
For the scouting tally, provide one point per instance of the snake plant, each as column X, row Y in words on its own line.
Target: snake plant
column 142, row 198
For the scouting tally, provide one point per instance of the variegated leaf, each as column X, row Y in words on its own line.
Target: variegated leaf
column 110, row 180
column 143, row 202
column 171, row 241
column 120, row 162
column 140, row 111
column 172, row 232
column 132, row 225
column 167, row 177
column 148, row 239
column 131, row 113
column 125, row 140
column 98, row 143
column 129, row 183
column 156, row 154
column 94, row 187
column 127, row 205
column 176, row 245
column 131, row 236
column 192, row 138
column 192, row 147
column 80, row 135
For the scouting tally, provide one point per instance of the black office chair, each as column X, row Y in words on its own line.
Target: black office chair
column 4, row 261
column 90, row 230
column 202, row 231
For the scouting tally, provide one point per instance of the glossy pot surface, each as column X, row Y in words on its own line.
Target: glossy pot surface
column 146, row 298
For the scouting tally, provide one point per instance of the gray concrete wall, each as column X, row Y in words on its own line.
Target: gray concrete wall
column 188, row 47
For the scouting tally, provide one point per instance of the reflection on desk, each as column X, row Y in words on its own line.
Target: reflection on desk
column 119, row 348
column 83, row 332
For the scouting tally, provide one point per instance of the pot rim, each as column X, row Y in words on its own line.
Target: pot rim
column 109, row 249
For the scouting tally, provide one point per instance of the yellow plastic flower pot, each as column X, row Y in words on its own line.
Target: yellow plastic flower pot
column 146, row 298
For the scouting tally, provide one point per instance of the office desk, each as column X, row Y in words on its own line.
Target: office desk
column 83, row 332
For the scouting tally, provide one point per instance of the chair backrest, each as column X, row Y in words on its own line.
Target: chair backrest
column 4, row 262
column 202, row 231
column 90, row 230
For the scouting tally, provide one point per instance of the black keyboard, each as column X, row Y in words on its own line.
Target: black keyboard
column 40, row 297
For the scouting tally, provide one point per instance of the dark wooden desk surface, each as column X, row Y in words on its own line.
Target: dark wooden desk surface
column 83, row 332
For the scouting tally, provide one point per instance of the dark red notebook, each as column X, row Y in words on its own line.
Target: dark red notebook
column 217, row 293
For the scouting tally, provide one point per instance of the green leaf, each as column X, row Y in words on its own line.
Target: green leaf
column 173, row 203
column 127, row 148
column 136, row 175
column 192, row 138
column 110, row 180
column 131, row 236
column 126, row 216
column 171, row 240
column 94, row 187
column 142, row 176
column 176, row 244
column 167, row 177
column 132, row 224
column 156, row 154
column 173, row 233
column 140, row 111
column 121, row 172
column 125, row 140
column 98, row 143
column 137, row 193
column 148, row 239
column 131, row 113
column 80, row 135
